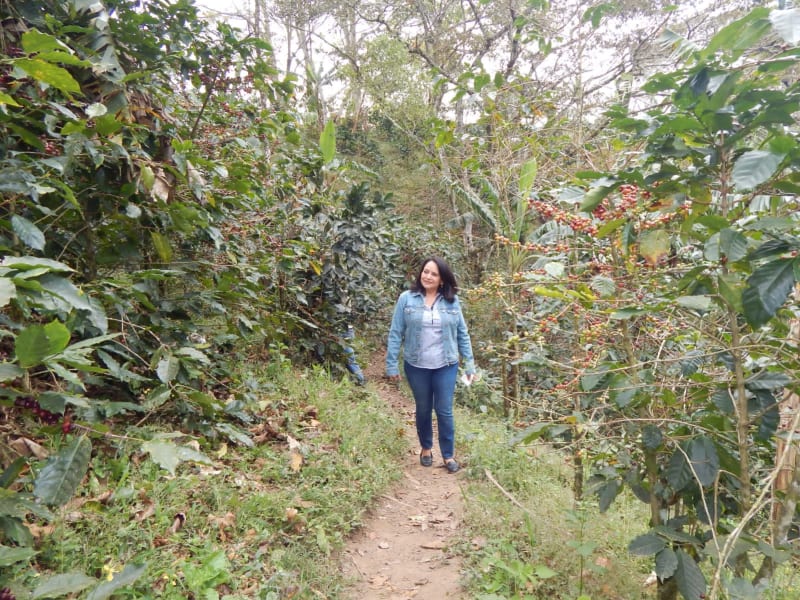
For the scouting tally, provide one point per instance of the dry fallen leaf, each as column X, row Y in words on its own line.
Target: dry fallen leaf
column 26, row 447
column 145, row 513
column 295, row 461
column 434, row 545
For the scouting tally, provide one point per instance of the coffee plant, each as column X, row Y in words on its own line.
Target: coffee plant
column 163, row 214
column 653, row 321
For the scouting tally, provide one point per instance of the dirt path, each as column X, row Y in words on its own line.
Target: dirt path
column 402, row 551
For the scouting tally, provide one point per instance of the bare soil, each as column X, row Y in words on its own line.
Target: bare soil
column 403, row 549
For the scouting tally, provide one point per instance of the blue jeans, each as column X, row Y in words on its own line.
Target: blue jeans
column 433, row 391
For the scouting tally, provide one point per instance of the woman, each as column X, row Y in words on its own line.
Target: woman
column 428, row 324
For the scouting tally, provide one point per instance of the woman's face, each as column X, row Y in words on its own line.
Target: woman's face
column 430, row 277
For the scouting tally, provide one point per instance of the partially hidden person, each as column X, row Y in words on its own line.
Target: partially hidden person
column 430, row 328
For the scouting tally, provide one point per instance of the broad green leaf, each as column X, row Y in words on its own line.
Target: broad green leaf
column 699, row 303
column 620, row 390
column 607, row 493
column 9, row 100
column 147, row 177
column 753, row 168
column 544, row 572
column 25, row 263
column 9, row 476
column 63, row 58
column 666, row 563
column 12, row 555
column 162, row 246
column 654, row 245
column 36, row 342
column 164, row 454
column 704, row 460
column 327, row 142
column 157, row 396
column 767, row 290
column 28, row 233
column 96, row 109
column 689, row 577
column 49, row 74
column 526, row 178
column 168, row 455
column 8, row 291
column 678, row 472
column 787, row 24
column 770, row 248
column 646, row 544
column 58, row 336
column 595, row 196
column 768, row 381
column 54, row 586
column 235, row 434
column 732, row 244
column 605, row 286
column 591, row 379
column 60, row 477
column 740, row 34
column 34, row 41
column 651, row 437
column 674, row 535
column 730, row 288
column 168, row 368
column 107, row 589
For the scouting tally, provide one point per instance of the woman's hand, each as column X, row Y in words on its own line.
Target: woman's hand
column 393, row 377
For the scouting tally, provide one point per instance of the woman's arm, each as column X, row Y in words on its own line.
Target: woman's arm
column 396, row 336
column 465, row 343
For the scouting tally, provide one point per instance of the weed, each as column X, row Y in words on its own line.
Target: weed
column 260, row 522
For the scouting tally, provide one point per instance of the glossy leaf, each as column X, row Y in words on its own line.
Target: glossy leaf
column 753, row 168
column 49, row 74
column 107, row 589
column 690, row 579
column 10, row 555
column 53, row 586
column 646, row 544
column 169, row 455
column 327, row 142
column 608, row 493
column 654, row 245
column 28, row 233
column 527, row 177
column 767, row 290
column 37, row 342
column 59, row 479
column 651, row 437
column 8, row 291
column 666, row 563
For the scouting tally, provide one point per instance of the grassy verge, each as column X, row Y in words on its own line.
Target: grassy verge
column 261, row 522
column 542, row 543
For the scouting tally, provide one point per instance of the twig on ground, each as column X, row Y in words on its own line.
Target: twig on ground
column 505, row 493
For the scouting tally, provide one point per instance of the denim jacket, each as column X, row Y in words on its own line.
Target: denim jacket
column 406, row 331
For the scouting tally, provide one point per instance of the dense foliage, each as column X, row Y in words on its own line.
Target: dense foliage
column 171, row 204
column 163, row 215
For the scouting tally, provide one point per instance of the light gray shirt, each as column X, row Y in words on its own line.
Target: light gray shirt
column 431, row 344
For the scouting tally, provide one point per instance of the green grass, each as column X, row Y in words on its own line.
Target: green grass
column 258, row 524
column 542, row 543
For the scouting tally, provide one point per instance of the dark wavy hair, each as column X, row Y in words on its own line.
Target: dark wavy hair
column 449, row 287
